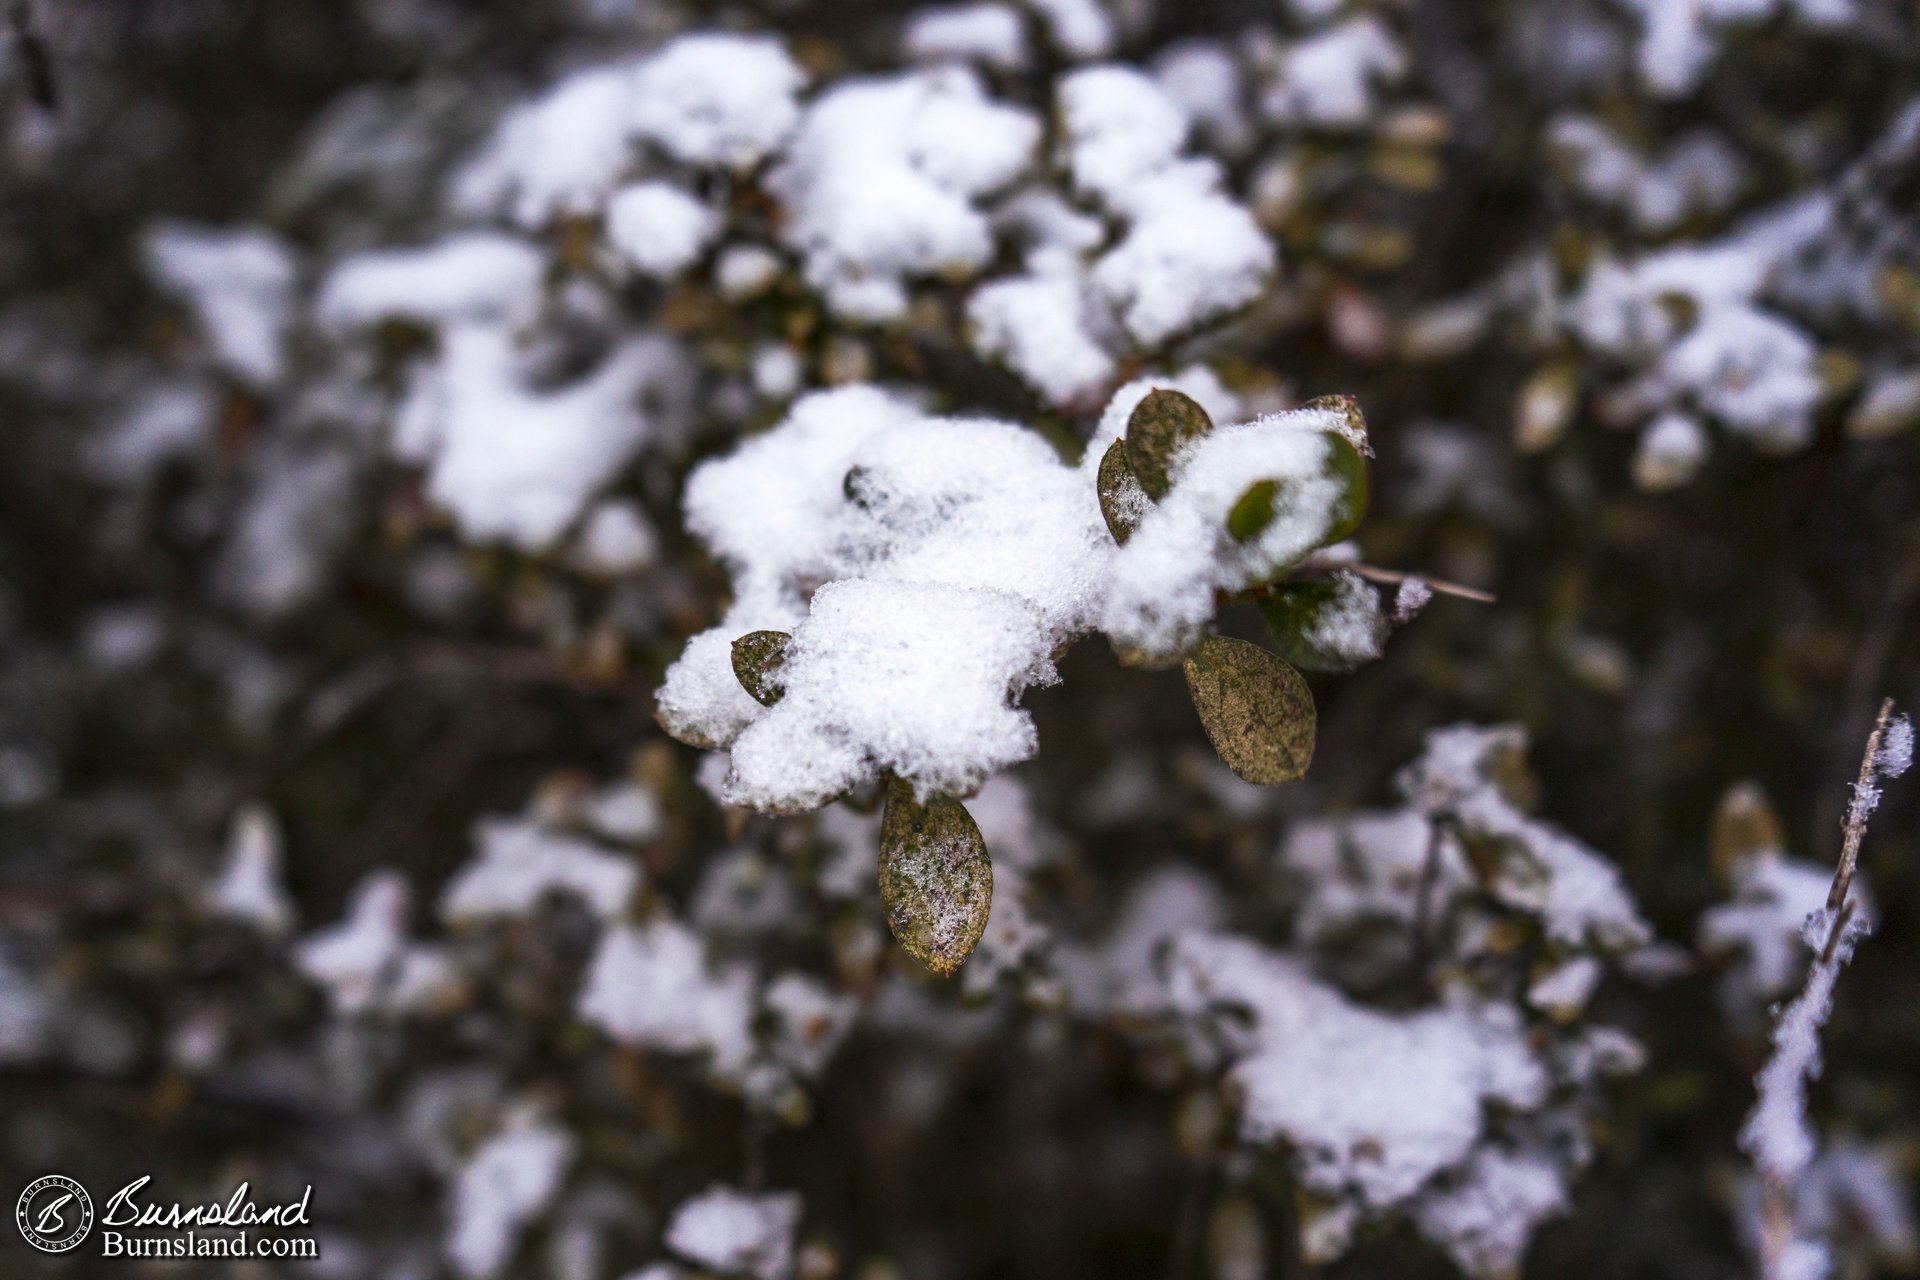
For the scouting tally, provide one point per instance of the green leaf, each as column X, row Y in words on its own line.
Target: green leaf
column 757, row 659
column 935, row 878
column 1122, row 501
column 1332, row 624
column 1163, row 423
column 1256, row 709
column 1347, row 461
column 1254, row 511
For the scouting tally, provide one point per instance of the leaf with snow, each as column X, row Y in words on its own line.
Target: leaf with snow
column 936, row 879
column 1327, row 624
column 757, row 659
column 1162, row 425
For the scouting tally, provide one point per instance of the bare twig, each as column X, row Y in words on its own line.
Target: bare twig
column 1439, row 585
column 1857, row 814
column 1777, row 1133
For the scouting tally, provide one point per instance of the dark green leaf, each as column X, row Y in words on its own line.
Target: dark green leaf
column 935, row 878
column 1330, row 624
column 757, row 659
column 1347, row 459
column 1122, row 501
column 1254, row 511
column 1164, row 423
column 1257, row 711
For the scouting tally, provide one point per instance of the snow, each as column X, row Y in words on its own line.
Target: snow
column 501, row 1188
column 1671, row 452
column 1038, row 325
column 1327, row 79
column 1204, row 79
column 1409, row 599
column 708, row 100
column 1485, row 1219
column 716, row 100
column 658, row 229
column 1895, row 755
column 1119, row 126
column 1362, row 876
column 1349, row 629
column 625, row 811
column 1079, row 29
column 239, row 283
column 365, row 961
column 955, row 556
column 809, row 1021
column 650, row 985
column 1189, row 252
column 518, row 463
column 1163, row 581
column 745, row 271
column 737, row 1233
column 1760, row 926
column 901, row 677
column 295, row 510
column 250, row 889
column 1371, row 1104
column 159, row 423
column 1777, row 1133
column 1120, row 976
column 1732, row 359
column 1753, row 372
column 1578, row 895
column 990, row 34
column 471, row 277
column 520, row 862
column 557, row 156
column 881, row 182
column 616, row 538
column 1677, row 41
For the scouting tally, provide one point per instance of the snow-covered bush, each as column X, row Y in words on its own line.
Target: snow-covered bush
column 590, row 596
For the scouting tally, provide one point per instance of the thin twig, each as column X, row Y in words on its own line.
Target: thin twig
column 1439, row 585
column 1857, row 816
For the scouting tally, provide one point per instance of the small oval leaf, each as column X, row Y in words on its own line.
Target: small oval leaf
column 1254, row 511
column 1122, row 501
column 1257, row 711
column 1162, row 424
column 935, row 878
column 757, row 659
column 1349, row 466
